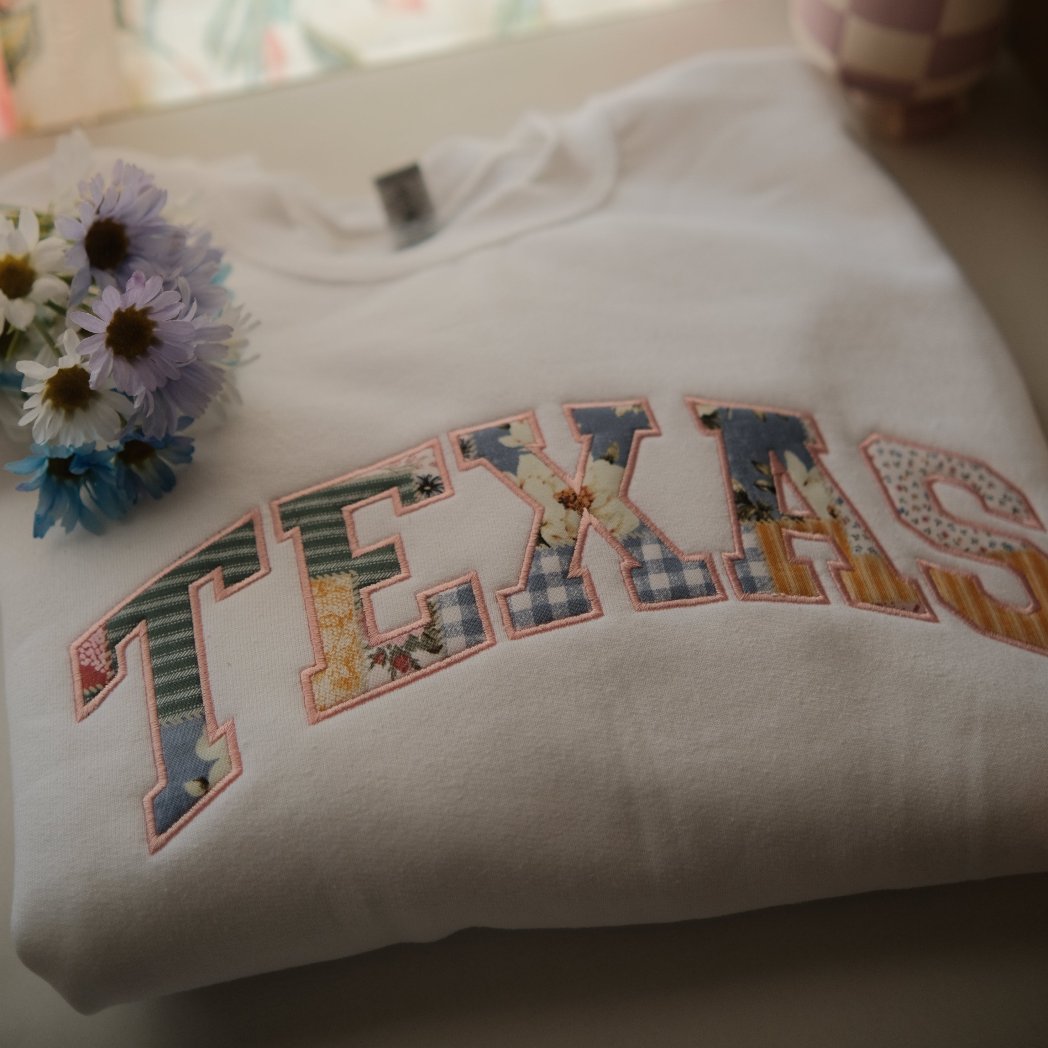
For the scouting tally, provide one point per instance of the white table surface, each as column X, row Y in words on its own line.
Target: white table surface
column 964, row 965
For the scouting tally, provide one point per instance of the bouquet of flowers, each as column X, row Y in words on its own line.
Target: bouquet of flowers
column 116, row 334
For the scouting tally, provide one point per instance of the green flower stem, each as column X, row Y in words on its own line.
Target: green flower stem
column 10, row 340
column 46, row 335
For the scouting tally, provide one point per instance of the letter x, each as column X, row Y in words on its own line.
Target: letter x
column 554, row 589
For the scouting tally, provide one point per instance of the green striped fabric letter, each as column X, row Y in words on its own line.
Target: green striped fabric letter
column 195, row 757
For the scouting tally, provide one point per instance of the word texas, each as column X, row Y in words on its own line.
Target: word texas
column 778, row 492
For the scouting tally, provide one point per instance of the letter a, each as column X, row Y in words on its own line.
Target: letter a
column 768, row 454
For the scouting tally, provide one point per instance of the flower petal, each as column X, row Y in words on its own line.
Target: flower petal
column 48, row 254
column 34, row 370
column 49, row 289
column 88, row 321
column 29, row 227
column 20, row 312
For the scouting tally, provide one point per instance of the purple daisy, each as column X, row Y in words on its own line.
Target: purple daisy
column 200, row 266
column 173, row 406
column 118, row 230
column 140, row 339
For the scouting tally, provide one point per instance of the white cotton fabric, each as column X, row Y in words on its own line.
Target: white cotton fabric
column 710, row 231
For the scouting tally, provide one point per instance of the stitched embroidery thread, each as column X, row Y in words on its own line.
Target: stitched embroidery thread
column 554, row 588
column 354, row 661
column 908, row 473
column 195, row 757
column 768, row 456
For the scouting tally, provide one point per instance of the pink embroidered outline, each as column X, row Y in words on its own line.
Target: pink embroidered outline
column 1031, row 520
column 373, row 635
column 791, row 535
column 576, row 569
column 215, row 731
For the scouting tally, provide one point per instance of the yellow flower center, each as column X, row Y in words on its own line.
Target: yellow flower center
column 129, row 334
column 106, row 243
column 69, row 390
column 16, row 276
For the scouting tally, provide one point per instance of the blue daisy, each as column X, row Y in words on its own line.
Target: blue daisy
column 75, row 486
column 143, row 464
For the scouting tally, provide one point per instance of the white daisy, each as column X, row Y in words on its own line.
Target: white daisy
column 604, row 480
column 27, row 270
column 63, row 408
column 242, row 324
column 561, row 514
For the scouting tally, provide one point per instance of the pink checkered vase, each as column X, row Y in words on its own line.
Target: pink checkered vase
column 910, row 63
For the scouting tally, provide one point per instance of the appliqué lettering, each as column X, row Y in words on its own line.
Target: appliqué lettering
column 354, row 660
column 778, row 490
column 768, row 455
column 195, row 757
column 908, row 474
column 554, row 589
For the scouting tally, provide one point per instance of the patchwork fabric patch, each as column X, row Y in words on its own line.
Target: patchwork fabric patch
column 909, row 474
column 195, row 756
column 770, row 457
column 355, row 661
column 554, row 589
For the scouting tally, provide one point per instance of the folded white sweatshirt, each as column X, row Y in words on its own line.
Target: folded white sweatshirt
column 660, row 539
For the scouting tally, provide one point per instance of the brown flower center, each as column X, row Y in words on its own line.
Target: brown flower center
column 106, row 243
column 59, row 467
column 69, row 390
column 16, row 276
column 130, row 332
column 578, row 501
column 135, row 452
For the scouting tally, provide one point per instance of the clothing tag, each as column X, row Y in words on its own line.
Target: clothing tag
column 409, row 210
